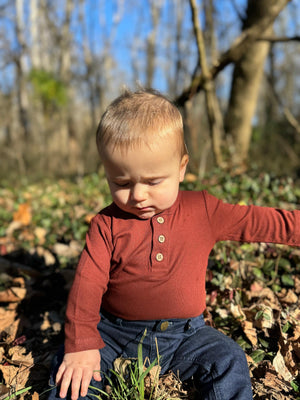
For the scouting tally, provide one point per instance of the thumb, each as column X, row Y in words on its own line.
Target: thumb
column 96, row 373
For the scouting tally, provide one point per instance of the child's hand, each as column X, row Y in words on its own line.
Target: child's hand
column 77, row 370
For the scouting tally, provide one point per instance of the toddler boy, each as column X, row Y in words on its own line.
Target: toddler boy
column 145, row 259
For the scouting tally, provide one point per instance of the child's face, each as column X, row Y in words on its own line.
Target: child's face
column 145, row 181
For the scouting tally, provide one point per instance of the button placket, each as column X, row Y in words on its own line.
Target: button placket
column 160, row 245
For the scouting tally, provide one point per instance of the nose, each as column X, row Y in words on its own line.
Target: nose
column 138, row 193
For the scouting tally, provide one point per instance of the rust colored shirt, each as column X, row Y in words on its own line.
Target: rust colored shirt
column 155, row 268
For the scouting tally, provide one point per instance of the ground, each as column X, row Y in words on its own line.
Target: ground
column 253, row 290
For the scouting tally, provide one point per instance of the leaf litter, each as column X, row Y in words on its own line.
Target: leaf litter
column 252, row 289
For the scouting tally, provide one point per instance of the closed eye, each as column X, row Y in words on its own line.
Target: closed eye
column 155, row 182
column 121, row 184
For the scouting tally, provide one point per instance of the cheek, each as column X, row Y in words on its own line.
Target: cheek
column 167, row 196
column 120, row 197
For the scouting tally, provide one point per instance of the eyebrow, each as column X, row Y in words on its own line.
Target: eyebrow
column 146, row 178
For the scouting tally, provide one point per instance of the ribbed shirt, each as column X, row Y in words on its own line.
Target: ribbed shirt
column 150, row 269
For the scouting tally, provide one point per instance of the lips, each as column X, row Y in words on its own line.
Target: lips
column 143, row 208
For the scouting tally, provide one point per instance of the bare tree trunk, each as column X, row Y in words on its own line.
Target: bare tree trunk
column 212, row 106
column 209, row 31
column 246, row 81
column 34, row 34
column 20, row 63
column 151, row 42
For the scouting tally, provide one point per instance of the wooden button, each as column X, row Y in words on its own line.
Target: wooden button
column 159, row 257
column 161, row 238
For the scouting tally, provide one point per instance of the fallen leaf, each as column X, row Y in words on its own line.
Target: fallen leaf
column 280, row 367
column 190, row 177
column 7, row 318
column 4, row 390
column 23, row 214
column 73, row 249
column 13, row 226
column 11, row 331
column 14, row 376
column 40, row 233
column 250, row 332
column 89, row 217
column 237, row 312
column 35, row 396
column 288, row 297
column 264, row 317
column 49, row 258
column 2, row 351
column 12, row 294
column 17, row 354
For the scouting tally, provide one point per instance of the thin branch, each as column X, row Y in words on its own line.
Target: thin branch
column 277, row 39
column 234, row 53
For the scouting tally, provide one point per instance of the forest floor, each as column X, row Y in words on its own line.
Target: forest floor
column 253, row 290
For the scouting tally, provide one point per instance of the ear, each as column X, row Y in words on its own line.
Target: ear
column 183, row 164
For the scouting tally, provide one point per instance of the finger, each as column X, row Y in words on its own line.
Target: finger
column 65, row 383
column 60, row 373
column 86, row 379
column 97, row 376
column 76, row 382
column 96, row 373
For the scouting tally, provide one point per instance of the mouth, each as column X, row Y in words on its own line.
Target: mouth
column 143, row 208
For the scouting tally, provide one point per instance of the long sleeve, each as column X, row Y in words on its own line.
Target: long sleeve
column 90, row 283
column 252, row 223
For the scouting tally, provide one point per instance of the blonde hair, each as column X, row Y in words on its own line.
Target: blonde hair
column 140, row 117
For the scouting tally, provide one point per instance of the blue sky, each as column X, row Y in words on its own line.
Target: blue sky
column 132, row 30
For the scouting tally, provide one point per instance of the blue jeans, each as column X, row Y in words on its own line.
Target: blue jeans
column 186, row 346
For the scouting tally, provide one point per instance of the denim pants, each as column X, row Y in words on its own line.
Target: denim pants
column 186, row 346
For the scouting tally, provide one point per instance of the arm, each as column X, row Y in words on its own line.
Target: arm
column 82, row 339
column 252, row 223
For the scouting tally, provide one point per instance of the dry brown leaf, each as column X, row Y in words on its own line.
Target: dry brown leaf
column 223, row 313
column 121, row 364
column 256, row 288
column 13, row 226
column 4, row 391
column 49, row 258
column 16, row 374
column 73, row 249
column 288, row 297
column 40, row 233
column 297, row 284
column 12, row 294
column 190, row 177
column 2, row 351
column 250, row 332
column 89, row 217
column 296, row 348
column 23, row 214
column 15, row 377
column 280, row 367
column 17, row 354
column 296, row 335
column 35, row 396
column 267, row 384
column 237, row 312
column 7, row 317
column 46, row 324
column 11, row 331
column 266, row 319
